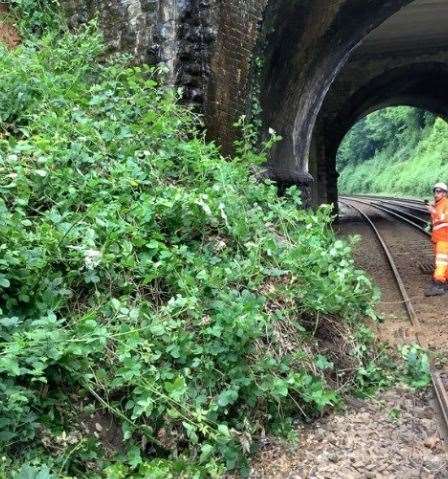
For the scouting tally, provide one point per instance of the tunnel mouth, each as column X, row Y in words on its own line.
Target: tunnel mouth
column 420, row 85
column 403, row 60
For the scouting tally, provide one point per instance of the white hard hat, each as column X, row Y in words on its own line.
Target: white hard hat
column 441, row 186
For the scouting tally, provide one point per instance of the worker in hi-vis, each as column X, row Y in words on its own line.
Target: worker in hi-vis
column 439, row 215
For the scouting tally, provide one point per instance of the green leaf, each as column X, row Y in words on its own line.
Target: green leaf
column 30, row 472
column 229, row 396
column 224, row 430
column 134, row 456
column 10, row 365
column 9, row 322
column 6, row 436
column 177, row 388
column 191, row 432
column 206, row 451
column 280, row 387
column 323, row 363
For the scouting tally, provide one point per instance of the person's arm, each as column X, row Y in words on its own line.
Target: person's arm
column 431, row 207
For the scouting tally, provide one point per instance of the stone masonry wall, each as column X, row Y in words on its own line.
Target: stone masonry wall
column 238, row 26
column 178, row 34
column 131, row 26
column 206, row 45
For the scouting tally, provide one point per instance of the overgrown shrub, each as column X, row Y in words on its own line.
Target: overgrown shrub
column 35, row 17
column 146, row 278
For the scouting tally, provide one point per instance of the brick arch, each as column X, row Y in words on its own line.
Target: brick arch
column 422, row 85
column 303, row 45
column 208, row 47
column 306, row 45
column 405, row 81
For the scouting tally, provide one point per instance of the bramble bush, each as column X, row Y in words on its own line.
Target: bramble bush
column 145, row 276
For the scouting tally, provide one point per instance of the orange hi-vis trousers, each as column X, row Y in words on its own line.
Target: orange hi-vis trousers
column 441, row 269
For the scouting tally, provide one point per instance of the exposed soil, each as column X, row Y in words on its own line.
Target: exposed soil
column 9, row 34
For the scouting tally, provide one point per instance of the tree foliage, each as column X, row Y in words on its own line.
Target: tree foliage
column 398, row 150
column 386, row 130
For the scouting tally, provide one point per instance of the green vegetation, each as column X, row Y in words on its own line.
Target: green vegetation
column 398, row 150
column 160, row 308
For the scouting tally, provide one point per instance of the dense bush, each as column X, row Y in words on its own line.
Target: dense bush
column 145, row 277
column 398, row 150
column 35, row 17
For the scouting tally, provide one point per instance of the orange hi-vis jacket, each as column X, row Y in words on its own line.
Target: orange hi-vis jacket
column 440, row 221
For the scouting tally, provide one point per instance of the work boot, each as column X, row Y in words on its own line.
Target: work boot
column 436, row 289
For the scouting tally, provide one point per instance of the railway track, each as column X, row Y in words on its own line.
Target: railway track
column 399, row 205
column 439, row 379
column 391, row 209
column 406, row 205
column 408, row 201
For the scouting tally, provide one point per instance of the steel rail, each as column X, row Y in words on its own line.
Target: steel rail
column 390, row 212
column 400, row 212
column 440, row 390
column 407, row 301
column 404, row 204
column 392, row 198
column 441, row 394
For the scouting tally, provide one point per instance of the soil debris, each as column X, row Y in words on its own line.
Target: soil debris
column 9, row 34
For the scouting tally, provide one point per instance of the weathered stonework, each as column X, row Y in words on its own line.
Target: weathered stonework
column 238, row 23
column 197, row 35
column 128, row 25
column 175, row 33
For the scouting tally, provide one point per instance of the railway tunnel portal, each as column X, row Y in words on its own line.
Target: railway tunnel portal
column 324, row 64
column 402, row 62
